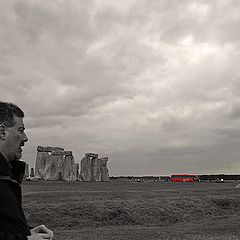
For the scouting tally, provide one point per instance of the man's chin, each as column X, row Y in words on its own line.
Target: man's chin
column 18, row 156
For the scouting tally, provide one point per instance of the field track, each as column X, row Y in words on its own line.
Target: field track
column 134, row 210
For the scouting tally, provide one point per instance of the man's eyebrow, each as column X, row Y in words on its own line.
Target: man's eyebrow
column 22, row 127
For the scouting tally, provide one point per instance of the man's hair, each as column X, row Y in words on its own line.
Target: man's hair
column 7, row 113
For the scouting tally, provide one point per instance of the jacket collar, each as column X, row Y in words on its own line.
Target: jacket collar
column 5, row 167
column 14, row 169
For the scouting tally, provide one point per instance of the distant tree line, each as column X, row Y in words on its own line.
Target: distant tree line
column 214, row 177
column 122, row 177
column 140, row 178
column 209, row 177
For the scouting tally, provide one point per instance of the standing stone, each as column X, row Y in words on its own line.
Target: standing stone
column 26, row 173
column 41, row 163
column 77, row 171
column 53, row 163
column 104, row 169
column 43, row 154
column 68, row 166
column 86, row 171
column 45, row 162
column 95, row 170
column 51, row 170
column 32, row 172
column 90, row 168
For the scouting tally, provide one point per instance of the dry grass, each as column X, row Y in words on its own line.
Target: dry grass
column 126, row 210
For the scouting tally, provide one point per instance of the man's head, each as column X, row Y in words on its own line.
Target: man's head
column 12, row 135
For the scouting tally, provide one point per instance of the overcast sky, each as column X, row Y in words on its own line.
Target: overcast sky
column 153, row 85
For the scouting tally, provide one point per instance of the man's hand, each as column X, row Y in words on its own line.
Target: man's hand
column 39, row 236
column 41, row 231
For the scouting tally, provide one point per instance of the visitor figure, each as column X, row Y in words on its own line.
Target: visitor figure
column 13, row 225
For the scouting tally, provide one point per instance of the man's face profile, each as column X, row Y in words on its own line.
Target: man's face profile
column 15, row 139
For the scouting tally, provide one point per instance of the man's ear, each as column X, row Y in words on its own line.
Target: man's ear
column 3, row 132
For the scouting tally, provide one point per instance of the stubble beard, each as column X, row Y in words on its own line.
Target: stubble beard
column 18, row 155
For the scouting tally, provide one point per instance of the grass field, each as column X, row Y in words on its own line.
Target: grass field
column 134, row 210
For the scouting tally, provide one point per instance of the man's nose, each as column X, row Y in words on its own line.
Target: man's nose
column 25, row 138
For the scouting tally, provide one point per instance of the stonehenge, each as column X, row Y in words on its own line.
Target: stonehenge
column 54, row 163
column 94, row 169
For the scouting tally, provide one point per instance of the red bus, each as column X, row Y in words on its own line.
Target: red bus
column 184, row 178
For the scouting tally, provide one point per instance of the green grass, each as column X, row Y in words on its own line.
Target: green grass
column 129, row 210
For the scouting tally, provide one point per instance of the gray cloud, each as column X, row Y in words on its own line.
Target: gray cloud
column 153, row 85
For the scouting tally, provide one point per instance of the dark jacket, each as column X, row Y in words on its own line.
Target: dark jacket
column 13, row 224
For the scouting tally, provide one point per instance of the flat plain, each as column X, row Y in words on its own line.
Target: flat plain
column 120, row 210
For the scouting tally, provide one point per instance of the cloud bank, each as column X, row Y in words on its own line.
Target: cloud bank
column 153, row 85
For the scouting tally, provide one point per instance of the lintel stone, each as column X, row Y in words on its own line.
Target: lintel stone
column 94, row 155
column 49, row 149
